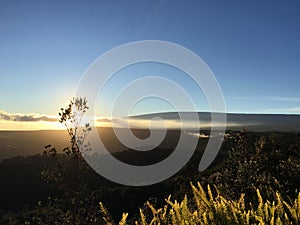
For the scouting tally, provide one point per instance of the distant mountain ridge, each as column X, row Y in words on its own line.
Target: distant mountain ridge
column 23, row 143
column 237, row 121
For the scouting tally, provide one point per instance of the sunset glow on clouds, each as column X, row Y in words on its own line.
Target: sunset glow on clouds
column 10, row 121
column 32, row 121
column 170, row 120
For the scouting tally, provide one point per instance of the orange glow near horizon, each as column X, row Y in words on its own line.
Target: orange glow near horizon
column 23, row 126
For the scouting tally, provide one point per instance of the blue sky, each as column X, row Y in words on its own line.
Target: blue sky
column 252, row 47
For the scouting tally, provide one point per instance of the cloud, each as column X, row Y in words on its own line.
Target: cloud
column 287, row 99
column 205, row 136
column 295, row 109
column 137, row 122
column 32, row 117
column 146, row 123
column 266, row 98
column 198, row 135
column 104, row 120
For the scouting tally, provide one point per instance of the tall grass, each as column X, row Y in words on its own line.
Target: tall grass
column 208, row 208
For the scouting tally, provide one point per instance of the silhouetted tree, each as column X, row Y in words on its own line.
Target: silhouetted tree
column 68, row 174
column 71, row 118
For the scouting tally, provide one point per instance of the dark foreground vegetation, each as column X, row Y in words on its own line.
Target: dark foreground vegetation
column 62, row 189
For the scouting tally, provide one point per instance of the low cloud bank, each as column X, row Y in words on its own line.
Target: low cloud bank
column 32, row 117
column 160, row 123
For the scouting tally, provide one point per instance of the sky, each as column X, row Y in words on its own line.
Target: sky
column 252, row 47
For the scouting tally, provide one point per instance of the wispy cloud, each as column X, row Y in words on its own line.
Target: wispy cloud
column 287, row 99
column 265, row 98
column 32, row 117
column 295, row 110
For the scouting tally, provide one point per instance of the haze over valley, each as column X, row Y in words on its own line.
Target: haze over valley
column 24, row 143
